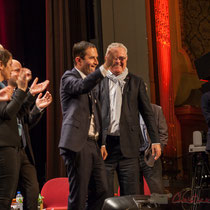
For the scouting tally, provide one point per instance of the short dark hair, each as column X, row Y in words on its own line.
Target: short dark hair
column 5, row 55
column 79, row 49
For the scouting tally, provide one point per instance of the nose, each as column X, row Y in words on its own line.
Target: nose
column 117, row 61
column 96, row 61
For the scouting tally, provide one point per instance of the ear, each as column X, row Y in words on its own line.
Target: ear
column 77, row 60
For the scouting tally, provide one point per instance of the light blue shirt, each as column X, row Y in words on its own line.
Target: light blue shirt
column 144, row 146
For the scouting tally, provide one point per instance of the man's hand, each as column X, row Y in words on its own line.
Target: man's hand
column 104, row 152
column 38, row 88
column 156, row 151
column 109, row 60
column 6, row 93
column 28, row 74
column 22, row 82
column 45, row 101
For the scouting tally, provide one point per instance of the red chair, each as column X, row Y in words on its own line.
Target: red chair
column 55, row 192
column 146, row 188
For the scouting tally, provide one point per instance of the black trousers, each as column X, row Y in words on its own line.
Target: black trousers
column 153, row 175
column 15, row 166
column 87, row 177
column 127, row 169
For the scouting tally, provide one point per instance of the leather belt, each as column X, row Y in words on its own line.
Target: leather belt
column 93, row 138
column 113, row 137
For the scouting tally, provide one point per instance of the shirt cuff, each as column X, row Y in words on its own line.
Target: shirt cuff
column 103, row 70
column 40, row 109
column 103, row 145
column 155, row 143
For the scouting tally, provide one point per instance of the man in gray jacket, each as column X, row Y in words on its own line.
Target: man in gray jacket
column 149, row 168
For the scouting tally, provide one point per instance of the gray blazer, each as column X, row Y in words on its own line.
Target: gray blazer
column 162, row 131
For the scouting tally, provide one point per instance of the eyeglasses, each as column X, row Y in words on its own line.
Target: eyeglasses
column 121, row 58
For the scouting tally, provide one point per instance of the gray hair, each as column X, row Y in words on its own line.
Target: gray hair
column 114, row 45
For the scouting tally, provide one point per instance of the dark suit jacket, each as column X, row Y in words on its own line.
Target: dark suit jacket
column 134, row 100
column 75, row 108
column 162, row 131
column 161, row 124
column 19, row 107
column 29, row 120
column 205, row 106
column 9, row 136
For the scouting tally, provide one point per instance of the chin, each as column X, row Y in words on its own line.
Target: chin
column 117, row 72
column 118, row 69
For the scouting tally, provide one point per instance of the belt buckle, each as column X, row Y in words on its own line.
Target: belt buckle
column 94, row 138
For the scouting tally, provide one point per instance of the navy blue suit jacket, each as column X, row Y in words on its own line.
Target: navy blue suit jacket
column 75, row 108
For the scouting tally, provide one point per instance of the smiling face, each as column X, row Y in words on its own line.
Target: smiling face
column 89, row 63
column 119, row 60
column 16, row 67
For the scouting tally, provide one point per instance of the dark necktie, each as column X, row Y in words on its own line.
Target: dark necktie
column 21, row 132
column 21, row 129
column 93, row 110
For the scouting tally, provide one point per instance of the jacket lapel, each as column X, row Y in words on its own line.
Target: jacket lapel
column 125, row 89
column 105, row 92
column 74, row 71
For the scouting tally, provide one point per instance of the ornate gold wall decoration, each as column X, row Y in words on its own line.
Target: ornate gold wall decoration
column 195, row 27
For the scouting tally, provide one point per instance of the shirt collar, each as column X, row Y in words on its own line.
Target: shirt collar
column 2, row 85
column 81, row 73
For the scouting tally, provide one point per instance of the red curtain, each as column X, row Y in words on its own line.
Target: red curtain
column 161, row 8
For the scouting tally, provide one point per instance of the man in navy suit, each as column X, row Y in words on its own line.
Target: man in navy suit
column 123, row 96
column 81, row 129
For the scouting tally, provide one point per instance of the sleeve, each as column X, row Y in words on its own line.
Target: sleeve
column 162, row 128
column 74, row 85
column 11, row 108
column 147, row 114
column 27, row 103
column 34, row 116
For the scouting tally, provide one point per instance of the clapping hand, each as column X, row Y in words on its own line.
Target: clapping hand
column 43, row 102
column 28, row 74
column 38, row 88
column 6, row 93
column 22, row 82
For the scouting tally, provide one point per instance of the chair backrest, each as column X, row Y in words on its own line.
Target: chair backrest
column 55, row 192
